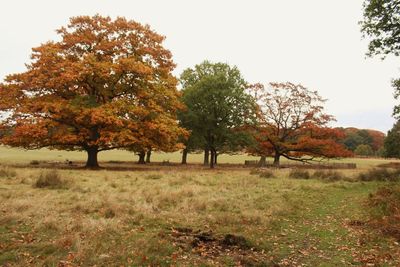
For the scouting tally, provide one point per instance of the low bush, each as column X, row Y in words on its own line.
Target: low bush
column 34, row 162
column 50, row 179
column 7, row 172
column 263, row 173
column 381, row 174
column 266, row 174
column 299, row 174
column 384, row 207
column 330, row 175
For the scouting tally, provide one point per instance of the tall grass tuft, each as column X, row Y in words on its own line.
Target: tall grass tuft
column 34, row 162
column 381, row 174
column 51, row 179
column 7, row 172
column 262, row 173
column 299, row 174
column 329, row 176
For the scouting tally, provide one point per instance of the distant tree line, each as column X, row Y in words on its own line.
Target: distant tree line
column 364, row 142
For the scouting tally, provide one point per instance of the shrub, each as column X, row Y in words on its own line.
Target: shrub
column 263, row 173
column 7, row 172
column 34, row 162
column 384, row 207
column 254, row 171
column 51, row 179
column 299, row 174
column 266, row 174
column 381, row 174
column 329, row 175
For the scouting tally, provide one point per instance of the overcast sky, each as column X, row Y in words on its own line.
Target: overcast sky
column 313, row 42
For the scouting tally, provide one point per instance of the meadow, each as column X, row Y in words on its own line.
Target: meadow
column 19, row 156
column 184, row 216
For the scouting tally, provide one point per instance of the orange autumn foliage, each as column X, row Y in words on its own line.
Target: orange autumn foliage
column 378, row 139
column 106, row 84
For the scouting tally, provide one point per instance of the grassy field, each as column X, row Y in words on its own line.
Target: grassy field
column 184, row 217
column 21, row 156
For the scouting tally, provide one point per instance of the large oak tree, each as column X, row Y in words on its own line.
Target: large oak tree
column 292, row 124
column 106, row 84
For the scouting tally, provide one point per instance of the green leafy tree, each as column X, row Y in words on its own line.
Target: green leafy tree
column 366, row 137
column 353, row 140
column 381, row 152
column 364, row 150
column 355, row 137
column 218, row 108
column 195, row 141
column 381, row 24
column 392, row 142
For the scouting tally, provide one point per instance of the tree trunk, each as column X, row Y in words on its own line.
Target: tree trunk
column 276, row 159
column 184, row 156
column 92, row 158
column 206, row 156
column 215, row 158
column 142, row 156
column 263, row 161
column 212, row 159
column 148, row 155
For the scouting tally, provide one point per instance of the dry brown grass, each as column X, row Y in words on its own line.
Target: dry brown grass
column 7, row 172
column 95, row 207
column 108, row 218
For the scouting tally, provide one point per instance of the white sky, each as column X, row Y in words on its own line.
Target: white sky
column 314, row 42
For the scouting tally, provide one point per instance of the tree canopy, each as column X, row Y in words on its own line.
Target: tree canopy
column 392, row 142
column 364, row 150
column 381, row 23
column 355, row 137
column 106, row 84
column 217, row 108
column 293, row 124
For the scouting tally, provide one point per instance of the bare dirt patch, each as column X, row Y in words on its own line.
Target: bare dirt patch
column 218, row 247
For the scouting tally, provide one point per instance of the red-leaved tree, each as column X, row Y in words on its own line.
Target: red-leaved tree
column 292, row 124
